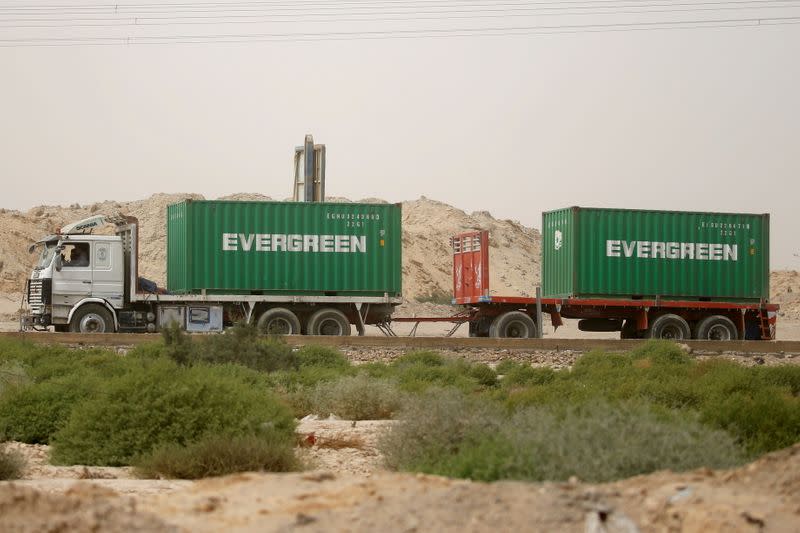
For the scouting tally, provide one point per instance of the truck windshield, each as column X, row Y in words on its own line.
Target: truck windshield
column 46, row 252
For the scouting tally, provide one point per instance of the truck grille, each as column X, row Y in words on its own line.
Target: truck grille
column 39, row 291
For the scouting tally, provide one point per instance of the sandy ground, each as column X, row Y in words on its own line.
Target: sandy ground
column 347, row 490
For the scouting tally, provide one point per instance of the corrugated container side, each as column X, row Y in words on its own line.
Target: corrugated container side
column 177, row 248
column 637, row 253
column 277, row 247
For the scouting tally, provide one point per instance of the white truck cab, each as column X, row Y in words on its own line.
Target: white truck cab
column 78, row 282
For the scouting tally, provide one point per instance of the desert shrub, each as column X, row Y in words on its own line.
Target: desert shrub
column 787, row 376
column 160, row 402
column 506, row 365
column 601, row 442
column 307, row 376
column 763, row 420
column 759, row 407
column 483, row 375
column 321, row 356
column 377, row 370
column 241, row 344
column 661, row 352
column 12, row 374
column 178, row 346
column 528, row 375
column 148, row 350
column 11, row 464
column 419, row 358
column 434, row 425
column 217, row 455
column 356, row 398
column 419, row 370
column 454, row 436
column 419, row 377
column 33, row 413
column 25, row 351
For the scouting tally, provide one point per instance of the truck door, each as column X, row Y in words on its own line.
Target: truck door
column 74, row 281
column 108, row 272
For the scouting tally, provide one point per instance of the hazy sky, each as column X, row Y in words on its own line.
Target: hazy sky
column 687, row 119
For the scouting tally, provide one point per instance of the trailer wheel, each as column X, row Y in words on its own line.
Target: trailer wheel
column 278, row 321
column 514, row 324
column 92, row 318
column 716, row 328
column 669, row 326
column 328, row 321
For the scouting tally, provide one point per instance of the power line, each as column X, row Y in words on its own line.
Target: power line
column 611, row 8
column 400, row 34
column 480, row 5
column 259, row 19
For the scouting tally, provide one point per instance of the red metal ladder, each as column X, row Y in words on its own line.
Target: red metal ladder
column 767, row 331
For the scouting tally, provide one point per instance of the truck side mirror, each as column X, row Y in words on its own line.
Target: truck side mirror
column 58, row 264
column 31, row 248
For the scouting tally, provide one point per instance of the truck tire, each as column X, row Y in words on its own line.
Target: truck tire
column 716, row 328
column 514, row 324
column 669, row 326
column 328, row 321
column 278, row 321
column 92, row 318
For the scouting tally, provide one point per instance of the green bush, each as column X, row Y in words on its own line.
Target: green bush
column 506, row 366
column 322, row 357
column 434, row 425
column 12, row 374
column 419, row 370
column 160, row 402
column 661, row 352
column 528, row 375
column 448, row 434
column 216, row 455
column 33, row 413
column 419, row 358
column 356, row 398
column 483, row 375
column 241, row 344
column 762, row 420
column 11, row 465
column 42, row 362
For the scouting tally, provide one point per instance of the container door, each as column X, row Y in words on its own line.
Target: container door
column 470, row 266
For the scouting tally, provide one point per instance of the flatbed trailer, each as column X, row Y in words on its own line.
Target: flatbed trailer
column 521, row 316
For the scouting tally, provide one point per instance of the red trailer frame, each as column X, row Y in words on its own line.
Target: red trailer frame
column 634, row 318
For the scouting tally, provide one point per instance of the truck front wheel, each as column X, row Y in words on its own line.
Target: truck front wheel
column 92, row 318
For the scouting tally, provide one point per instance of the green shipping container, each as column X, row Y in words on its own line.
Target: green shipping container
column 625, row 253
column 327, row 249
